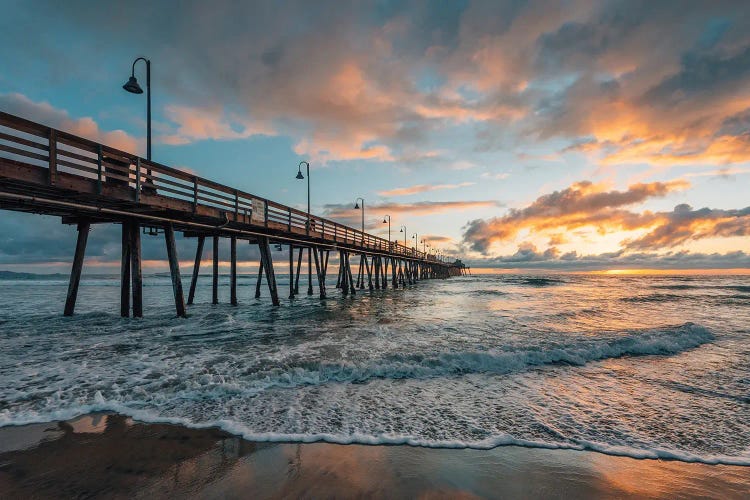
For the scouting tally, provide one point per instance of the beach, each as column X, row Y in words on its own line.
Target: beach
column 110, row 455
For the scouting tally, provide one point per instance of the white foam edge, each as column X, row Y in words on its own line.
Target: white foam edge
column 364, row 439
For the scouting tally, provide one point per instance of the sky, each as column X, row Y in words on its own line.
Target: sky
column 553, row 135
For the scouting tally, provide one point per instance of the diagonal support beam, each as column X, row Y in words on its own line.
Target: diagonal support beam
column 75, row 273
column 174, row 270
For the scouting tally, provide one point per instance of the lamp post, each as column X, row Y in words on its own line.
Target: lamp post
column 389, row 229
column 133, row 87
column 416, row 242
column 307, row 225
column 403, row 230
column 356, row 207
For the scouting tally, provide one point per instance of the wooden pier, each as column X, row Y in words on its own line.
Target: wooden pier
column 51, row 172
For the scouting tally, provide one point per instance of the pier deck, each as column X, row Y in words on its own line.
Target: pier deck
column 51, row 172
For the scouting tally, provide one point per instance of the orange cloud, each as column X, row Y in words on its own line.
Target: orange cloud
column 44, row 112
column 196, row 124
column 584, row 204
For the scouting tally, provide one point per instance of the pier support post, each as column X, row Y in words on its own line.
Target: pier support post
column 215, row 276
column 320, row 273
column 291, row 271
column 135, row 268
column 174, row 270
column 125, row 272
column 266, row 259
column 299, row 267
column 341, row 270
column 384, row 268
column 342, row 274
column 376, row 269
column 352, row 288
column 259, row 281
column 196, row 269
column 394, row 273
column 233, row 271
column 309, row 271
column 75, row 273
column 362, row 264
column 369, row 272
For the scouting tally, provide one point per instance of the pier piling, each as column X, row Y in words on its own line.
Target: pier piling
column 174, row 270
column 75, row 273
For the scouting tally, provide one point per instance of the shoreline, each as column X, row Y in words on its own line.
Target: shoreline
column 110, row 454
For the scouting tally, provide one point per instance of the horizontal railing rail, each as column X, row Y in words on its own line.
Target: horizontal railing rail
column 28, row 142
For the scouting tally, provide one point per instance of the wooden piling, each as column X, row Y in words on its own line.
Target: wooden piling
column 174, row 270
column 309, row 271
column 291, row 271
column 320, row 273
column 352, row 288
column 376, row 270
column 343, row 283
column 259, row 281
column 265, row 256
column 215, row 276
column 125, row 272
column 369, row 274
column 233, row 270
column 135, row 268
column 299, row 267
column 196, row 269
column 75, row 273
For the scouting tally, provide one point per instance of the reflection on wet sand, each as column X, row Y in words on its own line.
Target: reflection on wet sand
column 106, row 455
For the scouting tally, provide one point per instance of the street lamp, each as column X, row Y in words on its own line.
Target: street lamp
column 133, row 87
column 356, row 207
column 416, row 242
column 403, row 230
column 389, row 229
column 307, row 228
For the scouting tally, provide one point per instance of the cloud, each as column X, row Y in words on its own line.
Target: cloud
column 529, row 257
column 348, row 215
column 422, row 188
column 654, row 83
column 195, row 124
column 685, row 224
column 580, row 205
column 45, row 113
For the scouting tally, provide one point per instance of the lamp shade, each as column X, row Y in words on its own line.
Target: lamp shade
column 132, row 86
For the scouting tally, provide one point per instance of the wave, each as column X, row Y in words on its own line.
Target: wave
column 420, row 366
column 654, row 297
column 536, row 282
column 496, row 441
column 488, row 293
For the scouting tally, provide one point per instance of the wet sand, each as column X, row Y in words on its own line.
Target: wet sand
column 108, row 455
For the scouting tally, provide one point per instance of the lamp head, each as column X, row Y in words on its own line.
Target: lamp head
column 356, row 205
column 299, row 174
column 401, row 230
column 384, row 221
column 132, row 86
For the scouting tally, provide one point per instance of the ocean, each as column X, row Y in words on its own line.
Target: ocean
column 638, row 366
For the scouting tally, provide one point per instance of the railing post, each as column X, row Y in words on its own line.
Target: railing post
column 138, row 179
column 265, row 219
column 289, row 210
column 236, row 205
column 52, row 156
column 335, row 232
column 99, row 169
column 195, row 193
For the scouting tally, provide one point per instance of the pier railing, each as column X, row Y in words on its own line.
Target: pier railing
column 26, row 142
